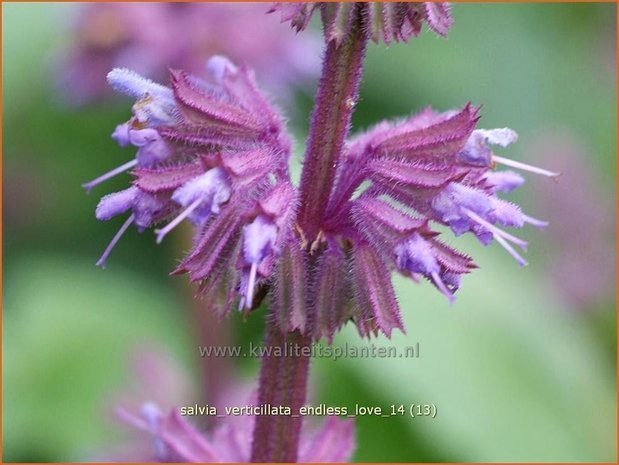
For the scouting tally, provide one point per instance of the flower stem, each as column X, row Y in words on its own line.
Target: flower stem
column 335, row 101
column 283, row 382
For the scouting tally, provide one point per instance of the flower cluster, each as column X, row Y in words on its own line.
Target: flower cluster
column 430, row 169
column 150, row 37
column 213, row 152
column 384, row 21
column 176, row 440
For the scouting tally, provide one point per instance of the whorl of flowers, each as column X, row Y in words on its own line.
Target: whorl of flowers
column 215, row 153
column 432, row 168
column 384, row 21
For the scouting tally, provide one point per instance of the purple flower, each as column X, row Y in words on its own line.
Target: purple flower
column 150, row 37
column 146, row 209
column 417, row 255
column 263, row 237
column 155, row 106
column 177, row 440
column 151, row 148
column 214, row 151
column 202, row 196
column 203, row 145
column 430, row 168
column 384, row 21
column 504, row 181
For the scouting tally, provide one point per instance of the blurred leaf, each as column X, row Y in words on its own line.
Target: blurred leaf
column 68, row 329
column 30, row 34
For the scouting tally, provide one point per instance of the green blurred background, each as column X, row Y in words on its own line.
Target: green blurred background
column 521, row 368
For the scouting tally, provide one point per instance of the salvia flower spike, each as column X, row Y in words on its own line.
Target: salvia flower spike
column 212, row 151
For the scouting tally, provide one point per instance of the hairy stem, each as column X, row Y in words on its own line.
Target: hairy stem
column 283, row 382
column 335, row 101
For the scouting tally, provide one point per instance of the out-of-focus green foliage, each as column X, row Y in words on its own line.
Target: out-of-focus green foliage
column 67, row 330
column 516, row 376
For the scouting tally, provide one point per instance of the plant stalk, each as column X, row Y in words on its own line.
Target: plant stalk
column 283, row 382
column 336, row 97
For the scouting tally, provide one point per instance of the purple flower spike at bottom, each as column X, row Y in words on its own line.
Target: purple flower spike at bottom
column 176, row 440
column 333, row 442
